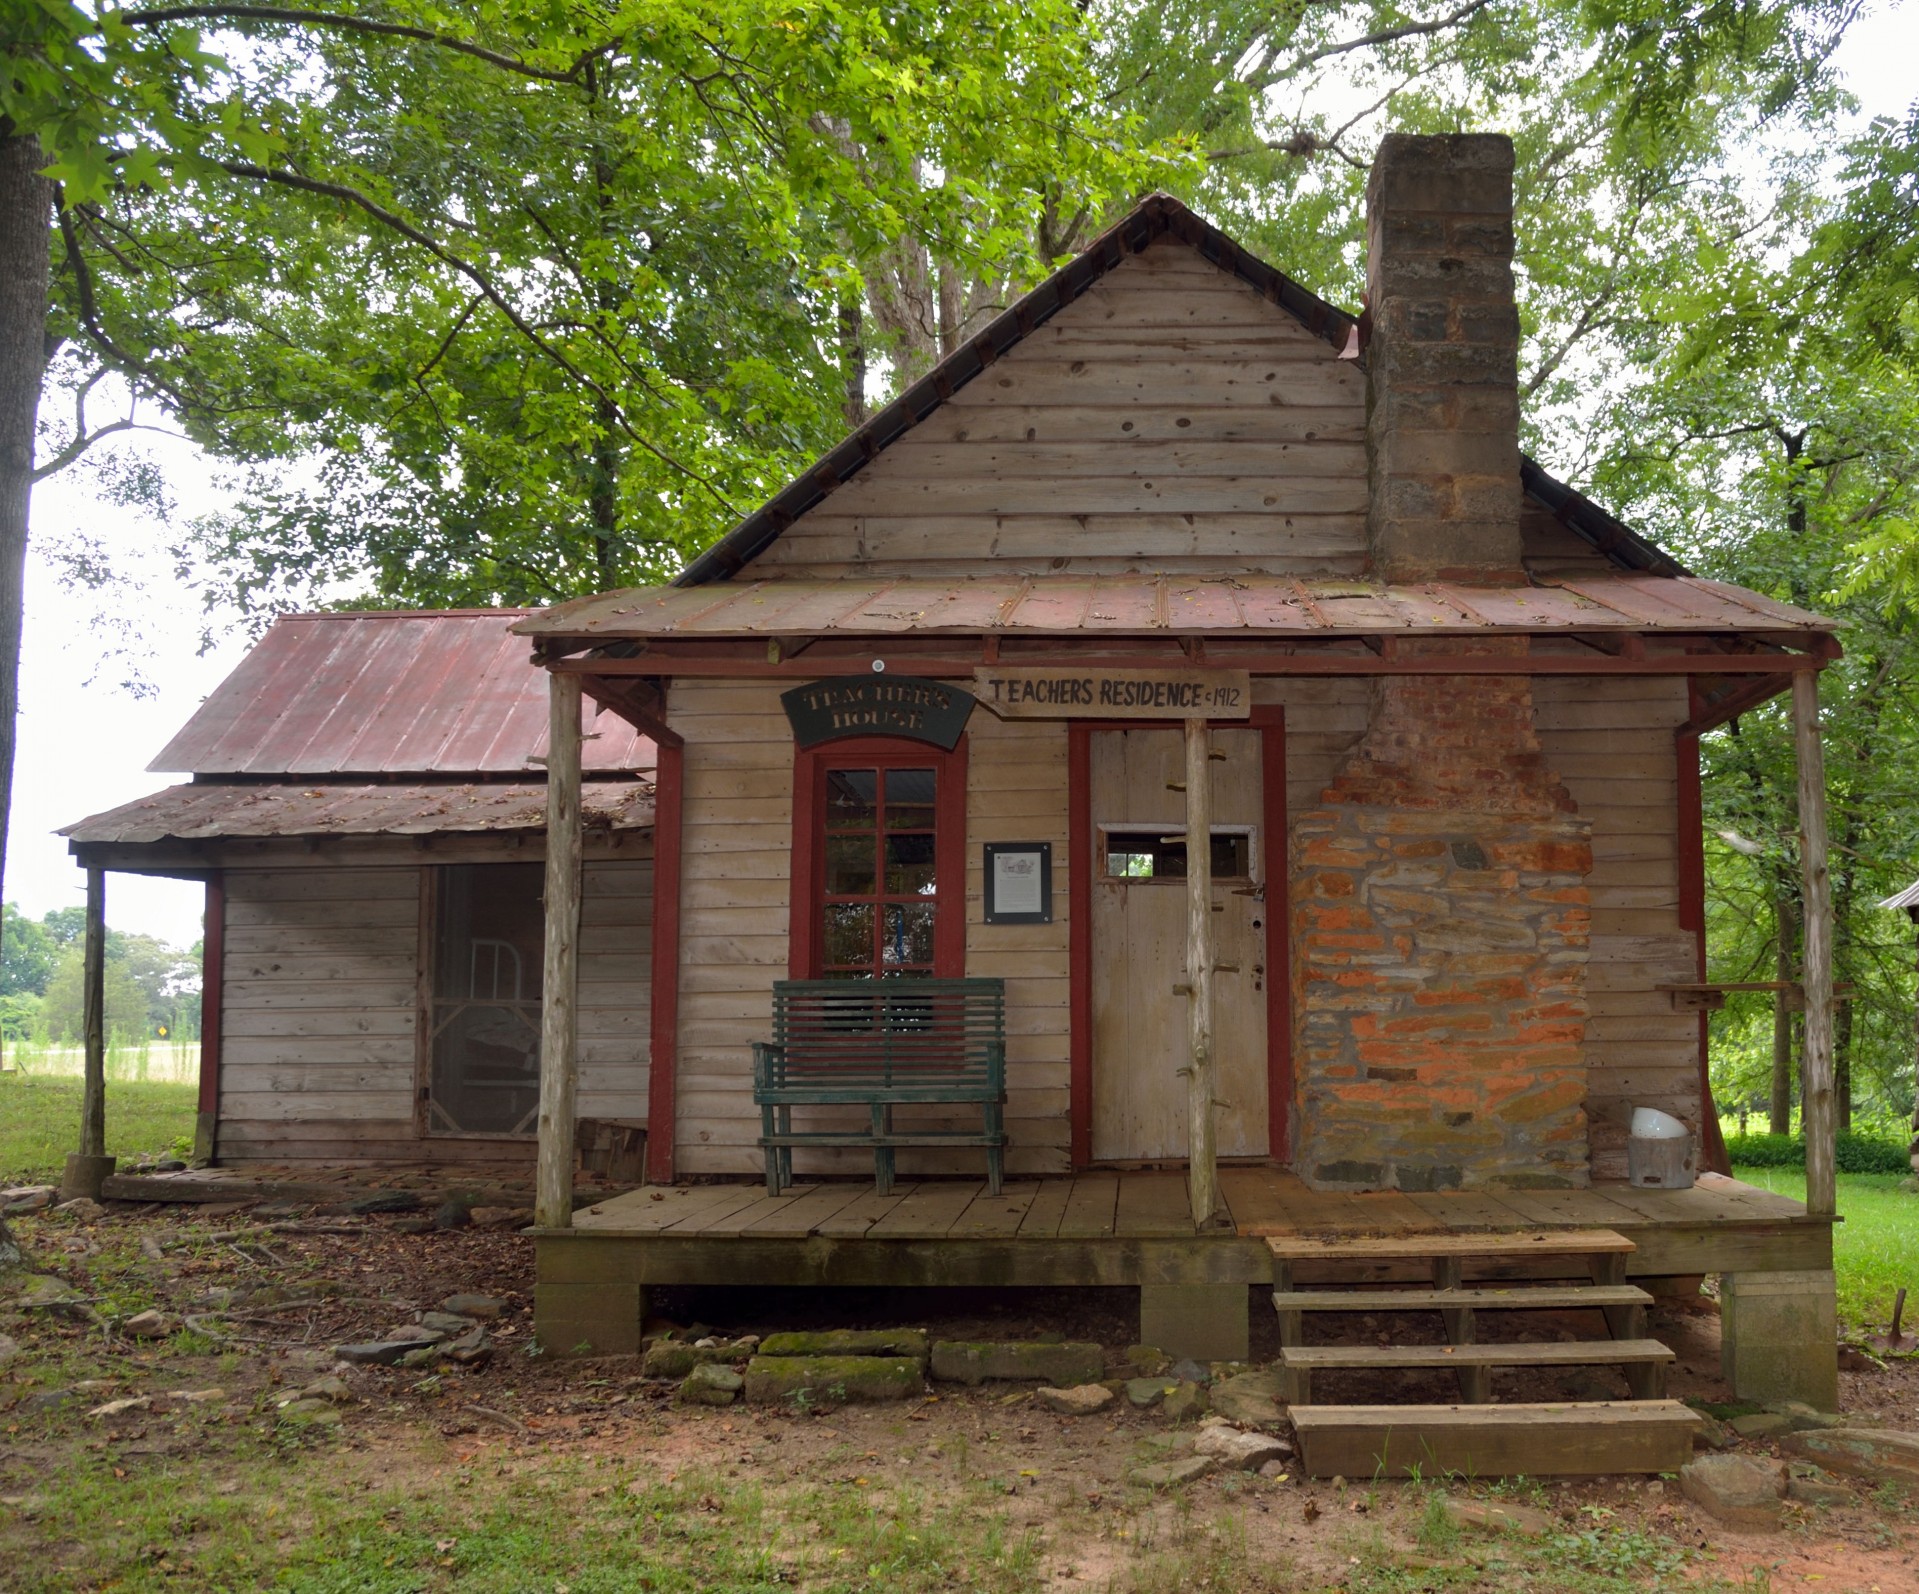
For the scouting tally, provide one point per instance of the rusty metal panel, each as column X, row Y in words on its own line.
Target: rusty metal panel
column 205, row 811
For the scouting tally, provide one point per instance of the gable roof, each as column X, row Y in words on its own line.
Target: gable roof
column 1157, row 216
column 447, row 692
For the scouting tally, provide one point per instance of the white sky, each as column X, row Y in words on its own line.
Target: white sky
column 85, row 741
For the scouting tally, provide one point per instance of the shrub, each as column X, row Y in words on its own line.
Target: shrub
column 1852, row 1153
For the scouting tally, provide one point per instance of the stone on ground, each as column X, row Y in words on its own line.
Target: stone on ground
column 1148, row 1361
column 1743, row 1490
column 849, row 1342
column 1760, row 1424
column 1237, row 1451
column 711, row 1385
column 1183, row 1402
column 310, row 1413
column 119, row 1408
column 1144, row 1392
column 149, row 1324
column 1801, row 1417
column 197, row 1397
column 1712, row 1434
column 329, row 1387
column 1498, row 1516
column 82, row 1209
column 446, row 1322
column 376, row 1353
column 832, row 1380
column 24, row 1199
column 500, row 1217
column 1170, row 1474
column 1249, row 1398
column 1061, row 1365
column 1082, row 1400
column 453, row 1214
column 9, row 1348
column 42, row 1289
column 1883, row 1455
column 484, row 1307
column 672, row 1358
column 1811, row 1485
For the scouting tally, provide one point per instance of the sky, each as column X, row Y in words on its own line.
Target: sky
column 85, row 740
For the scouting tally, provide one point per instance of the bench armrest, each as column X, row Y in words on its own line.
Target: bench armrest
column 765, row 1055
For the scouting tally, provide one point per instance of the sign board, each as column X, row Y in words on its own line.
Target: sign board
column 1019, row 882
column 877, row 705
column 1052, row 693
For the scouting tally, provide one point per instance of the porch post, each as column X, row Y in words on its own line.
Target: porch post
column 1816, row 1067
column 559, row 1018
column 87, row 1169
column 1202, row 1173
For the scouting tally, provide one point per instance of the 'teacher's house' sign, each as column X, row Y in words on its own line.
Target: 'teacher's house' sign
column 878, row 705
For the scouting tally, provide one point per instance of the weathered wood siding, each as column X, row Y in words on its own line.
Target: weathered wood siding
column 321, row 1008
column 1169, row 417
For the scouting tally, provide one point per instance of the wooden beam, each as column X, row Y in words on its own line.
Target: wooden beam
column 663, row 1018
column 213, row 965
column 1816, row 1067
column 559, row 991
column 1202, row 1149
column 93, row 1019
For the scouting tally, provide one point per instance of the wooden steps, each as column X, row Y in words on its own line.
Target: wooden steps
column 1475, row 1437
column 1536, row 1439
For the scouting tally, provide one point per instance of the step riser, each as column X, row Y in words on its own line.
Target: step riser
column 1428, row 1441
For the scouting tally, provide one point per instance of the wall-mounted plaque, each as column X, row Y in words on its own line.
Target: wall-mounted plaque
column 878, row 705
column 1019, row 882
column 1052, row 693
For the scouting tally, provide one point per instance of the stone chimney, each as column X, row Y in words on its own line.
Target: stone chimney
column 1442, row 399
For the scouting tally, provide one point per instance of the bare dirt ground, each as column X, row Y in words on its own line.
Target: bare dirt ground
column 531, row 1472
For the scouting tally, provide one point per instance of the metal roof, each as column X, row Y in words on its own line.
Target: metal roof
column 209, row 810
column 1147, row 604
column 408, row 693
column 1907, row 899
column 1156, row 216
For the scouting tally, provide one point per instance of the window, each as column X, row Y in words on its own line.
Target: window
column 879, row 861
column 1159, row 853
column 489, row 938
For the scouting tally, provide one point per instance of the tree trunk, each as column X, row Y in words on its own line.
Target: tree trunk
column 1785, row 909
column 853, row 361
column 26, row 214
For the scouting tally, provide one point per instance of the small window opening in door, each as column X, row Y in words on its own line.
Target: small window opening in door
column 489, row 939
column 1159, row 853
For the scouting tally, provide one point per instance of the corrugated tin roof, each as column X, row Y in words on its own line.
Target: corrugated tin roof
column 1908, row 899
column 209, row 810
column 448, row 692
column 1156, row 216
column 1145, row 604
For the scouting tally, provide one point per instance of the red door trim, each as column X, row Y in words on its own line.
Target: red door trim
column 1269, row 719
column 669, row 798
column 1690, row 851
column 213, row 979
column 810, row 765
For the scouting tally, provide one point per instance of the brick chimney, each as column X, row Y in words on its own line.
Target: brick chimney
column 1442, row 399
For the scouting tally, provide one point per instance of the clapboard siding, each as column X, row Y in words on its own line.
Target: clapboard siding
column 1170, row 413
column 320, row 1008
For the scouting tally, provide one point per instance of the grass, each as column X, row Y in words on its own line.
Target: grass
column 1874, row 1251
column 40, row 1121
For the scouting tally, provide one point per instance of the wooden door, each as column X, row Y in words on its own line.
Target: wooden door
column 1139, row 944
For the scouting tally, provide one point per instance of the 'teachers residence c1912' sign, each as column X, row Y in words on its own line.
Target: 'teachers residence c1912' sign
column 1115, row 694
column 878, row 705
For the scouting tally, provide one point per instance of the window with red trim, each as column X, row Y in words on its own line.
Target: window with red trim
column 881, row 831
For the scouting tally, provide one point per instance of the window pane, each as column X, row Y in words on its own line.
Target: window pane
column 850, row 798
column 909, row 866
column 909, row 935
column 849, row 934
column 909, row 799
column 1161, row 855
column 849, row 864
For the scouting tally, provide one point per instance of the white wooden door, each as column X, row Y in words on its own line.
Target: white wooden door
column 1139, row 945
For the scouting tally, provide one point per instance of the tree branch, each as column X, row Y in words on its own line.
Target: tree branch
column 1367, row 41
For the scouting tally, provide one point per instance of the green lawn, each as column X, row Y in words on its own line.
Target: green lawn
column 1874, row 1251
column 40, row 1121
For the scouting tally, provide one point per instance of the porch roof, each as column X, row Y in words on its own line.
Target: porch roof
column 1149, row 604
column 206, row 810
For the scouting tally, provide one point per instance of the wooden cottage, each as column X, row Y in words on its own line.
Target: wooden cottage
column 1173, row 548
column 367, row 808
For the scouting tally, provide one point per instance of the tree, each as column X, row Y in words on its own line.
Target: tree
column 126, row 1002
column 27, row 954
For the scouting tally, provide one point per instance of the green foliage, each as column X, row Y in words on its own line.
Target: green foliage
column 63, row 1012
column 1852, row 1153
column 27, row 954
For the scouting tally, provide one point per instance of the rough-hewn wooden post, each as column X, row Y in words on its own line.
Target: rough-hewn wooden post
column 93, row 1019
column 1815, row 1069
column 1202, row 1171
column 559, row 1010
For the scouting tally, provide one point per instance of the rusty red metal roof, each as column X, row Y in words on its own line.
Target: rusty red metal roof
column 404, row 693
column 209, row 810
column 1146, row 604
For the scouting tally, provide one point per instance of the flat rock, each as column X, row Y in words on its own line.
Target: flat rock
column 82, row 1209
column 414, row 1334
column 1249, row 1398
column 501, row 1217
column 1743, row 1490
column 374, row 1201
column 672, row 1358
column 196, row 1397
column 1238, row 1451
column 452, row 1215
column 1145, row 1392
column 849, row 1342
column 1499, row 1516
column 43, row 1289
column 1760, row 1424
column 25, row 1199
column 1811, row 1485
column 1058, row 1364
column 330, row 1387
column 447, row 1322
column 484, row 1307
column 710, row 1385
column 1149, row 1361
column 1082, row 1400
column 1800, row 1417
column 1190, row 1371
column 1881, row 1454
column 116, row 1408
column 1712, row 1434
column 310, row 1413
column 1183, row 1402
column 148, row 1325
column 832, row 1380
column 375, row 1353
column 50, row 1400
column 1171, row 1474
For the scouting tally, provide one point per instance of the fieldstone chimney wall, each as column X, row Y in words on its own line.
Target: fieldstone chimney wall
column 1440, row 921
column 1442, row 361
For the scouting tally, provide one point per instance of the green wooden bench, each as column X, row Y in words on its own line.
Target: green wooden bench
column 882, row 1044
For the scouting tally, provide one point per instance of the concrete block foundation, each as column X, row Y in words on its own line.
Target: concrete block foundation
column 1779, row 1337
column 589, row 1319
column 1208, row 1322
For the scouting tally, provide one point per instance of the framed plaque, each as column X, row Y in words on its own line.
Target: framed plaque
column 1019, row 882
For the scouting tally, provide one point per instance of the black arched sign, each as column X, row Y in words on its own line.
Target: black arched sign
column 878, row 705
